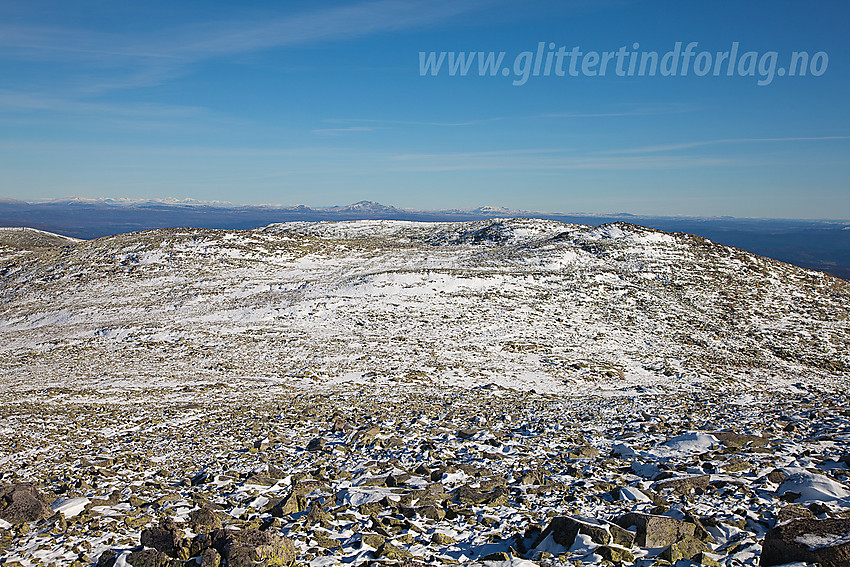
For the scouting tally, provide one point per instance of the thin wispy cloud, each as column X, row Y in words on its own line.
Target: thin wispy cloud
column 644, row 110
column 144, row 59
column 352, row 129
column 541, row 160
column 13, row 101
column 437, row 124
column 702, row 143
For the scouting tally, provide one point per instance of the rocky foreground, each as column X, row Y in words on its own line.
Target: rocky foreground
column 236, row 473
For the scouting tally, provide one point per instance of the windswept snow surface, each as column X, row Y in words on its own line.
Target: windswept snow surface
column 529, row 303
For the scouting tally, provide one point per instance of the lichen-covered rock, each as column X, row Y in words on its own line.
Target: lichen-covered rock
column 291, row 504
column 151, row 558
column 210, row 558
column 253, row 548
column 203, row 520
column 584, row 452
column 391, row 552
column 686, row 548
column 814, row 541
column 23, row 503
column 735, row 440
column 565, row 529
column 166, row 538
column 684, row 485
column 614, row 554
column 656, row 531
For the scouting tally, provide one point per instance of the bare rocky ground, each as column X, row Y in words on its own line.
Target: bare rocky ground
column 503, row 393
column 401, row 474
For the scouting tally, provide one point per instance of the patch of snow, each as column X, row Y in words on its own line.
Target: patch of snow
column 814, row 488
column 70, row 507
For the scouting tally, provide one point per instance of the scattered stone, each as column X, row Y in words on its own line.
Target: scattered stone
column 167, row 539
column 291, row 504
column 793, row 512
column 685, row 548
column 684, row 485
column 253, row 548
column 565, row 529
column 737, row 440
column 204, row 520
column 584, row 452
column 614, row 554
column 151, row 558
column 777, row 476
column 656, row 531
column 390, row 551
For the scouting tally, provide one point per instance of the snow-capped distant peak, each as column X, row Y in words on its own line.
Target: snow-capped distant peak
column 363, row 207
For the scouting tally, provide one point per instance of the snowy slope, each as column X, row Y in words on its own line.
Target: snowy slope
column 519, row 302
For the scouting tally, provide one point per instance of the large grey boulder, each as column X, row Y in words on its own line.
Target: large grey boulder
column 656, row 531
column 253, row 548
column 166, row 538
column 826, row 542
column 565, row 529
column 150, row 558
column 684, row 485
column 23, row 503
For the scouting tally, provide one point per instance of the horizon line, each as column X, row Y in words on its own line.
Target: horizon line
column 481, row 209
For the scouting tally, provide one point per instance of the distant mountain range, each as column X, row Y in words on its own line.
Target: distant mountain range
column 812, row 244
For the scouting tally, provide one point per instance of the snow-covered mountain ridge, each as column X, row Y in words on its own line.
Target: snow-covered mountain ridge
column 520, row 302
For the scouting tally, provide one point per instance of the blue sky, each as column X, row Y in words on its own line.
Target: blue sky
column 323, row 103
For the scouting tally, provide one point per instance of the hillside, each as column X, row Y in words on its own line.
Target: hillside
column 503, row 392
column 535, row 304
